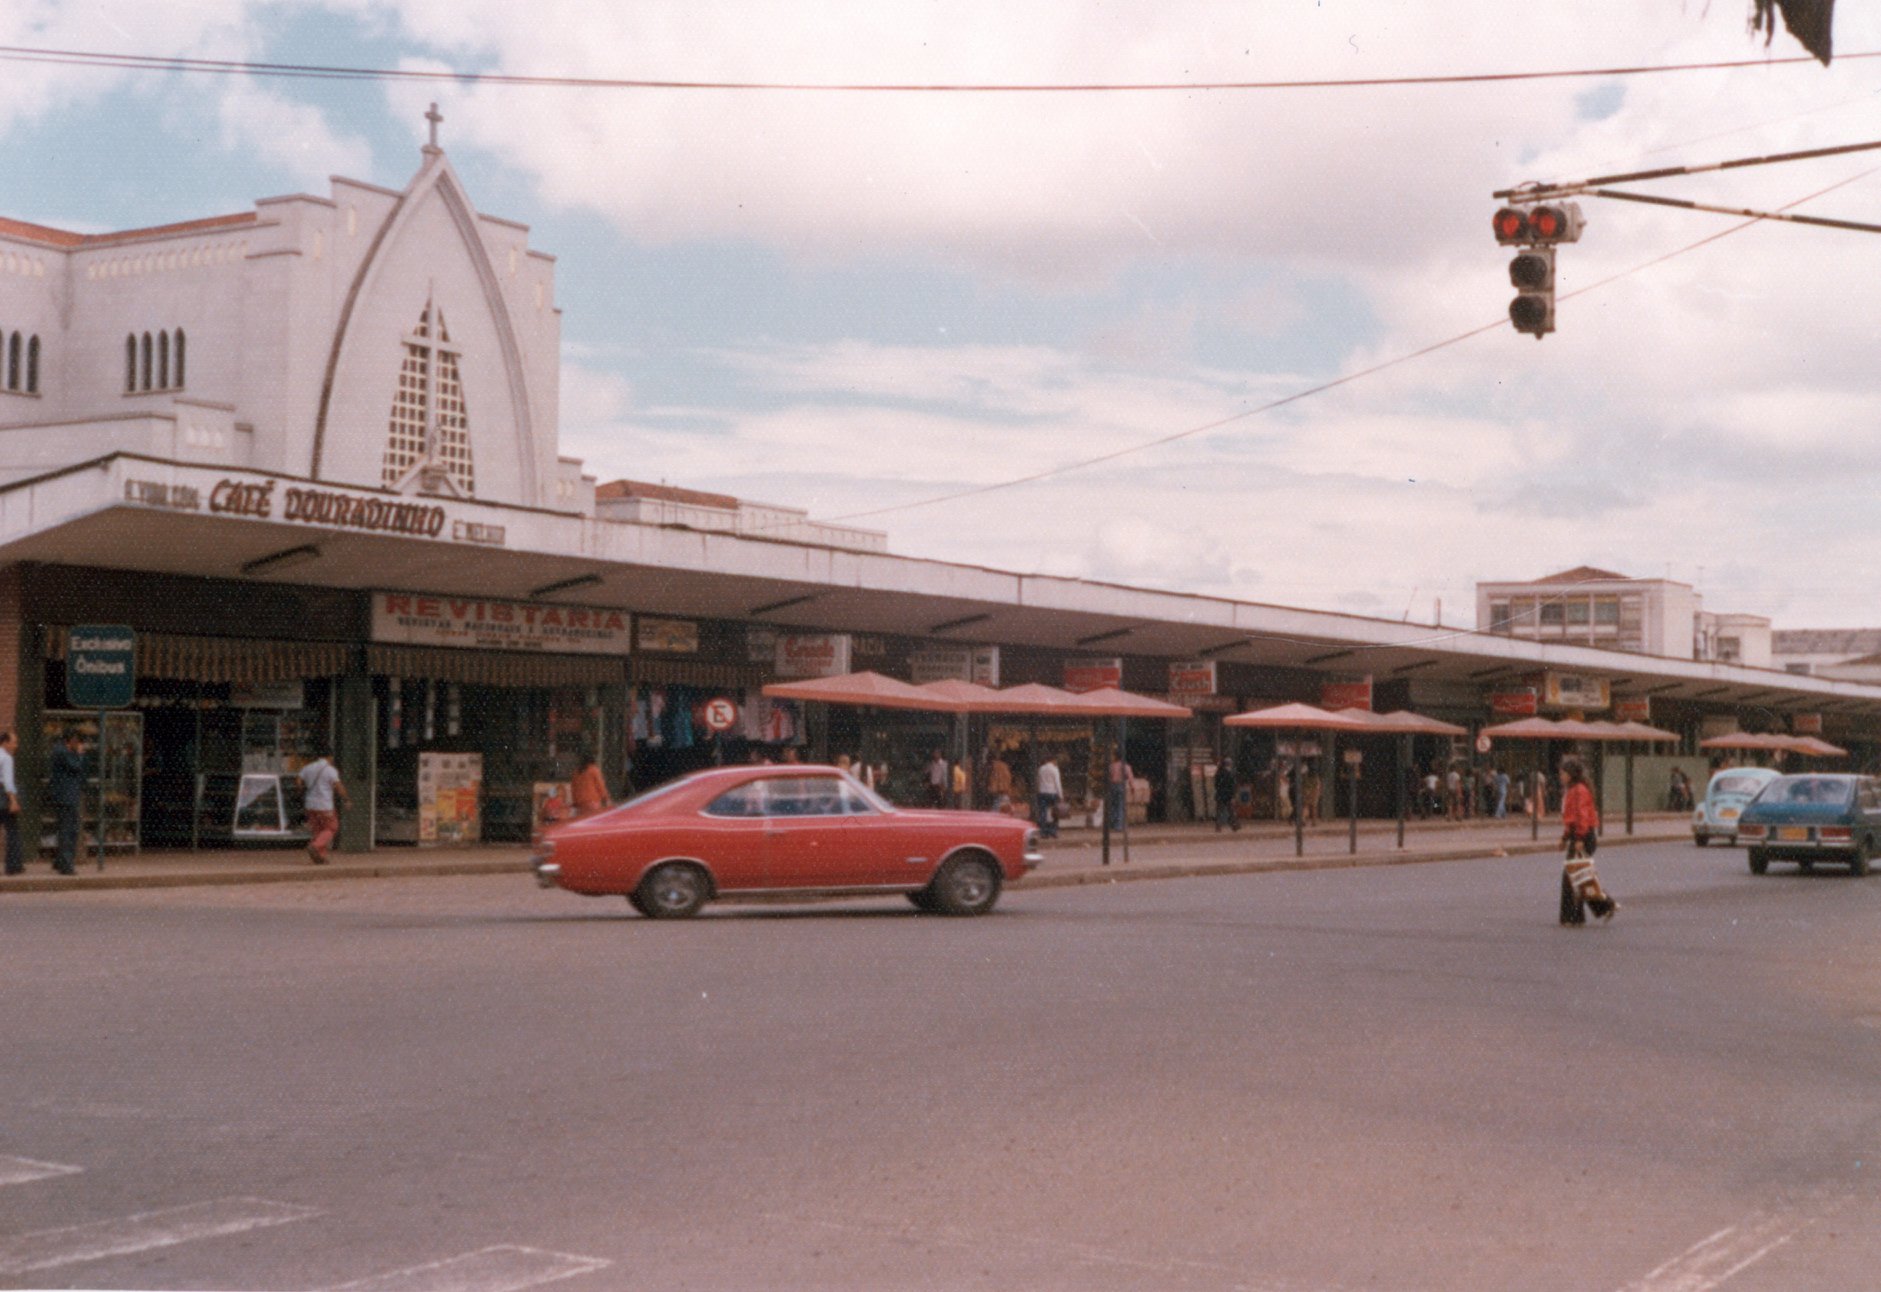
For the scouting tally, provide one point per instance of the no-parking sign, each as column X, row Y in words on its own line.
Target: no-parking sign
column 719, row 714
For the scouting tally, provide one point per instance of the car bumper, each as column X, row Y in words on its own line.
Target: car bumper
column 548, row 874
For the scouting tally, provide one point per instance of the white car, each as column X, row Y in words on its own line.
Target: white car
column 1729, row 792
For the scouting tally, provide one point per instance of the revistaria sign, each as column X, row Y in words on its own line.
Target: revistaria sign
column 413, row 619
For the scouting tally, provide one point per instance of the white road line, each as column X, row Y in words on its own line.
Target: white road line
column 23, row 1170
column 142, row 1232
column 493, row 1269
column 1733, row 1249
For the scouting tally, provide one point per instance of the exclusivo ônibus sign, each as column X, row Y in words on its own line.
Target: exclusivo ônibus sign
column 100, row 666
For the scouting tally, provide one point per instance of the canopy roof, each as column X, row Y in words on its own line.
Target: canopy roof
column 1109, row 702
column 965, row 697
column 861, row 688
column 1529, row 729
column 1403, row 722
column 1297, row 717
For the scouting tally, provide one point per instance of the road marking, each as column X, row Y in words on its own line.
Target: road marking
column 493, row 1269
column 23, row 1170
column 1722, row 1256
column 142, row 1232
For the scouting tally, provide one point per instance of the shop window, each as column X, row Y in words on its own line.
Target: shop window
column 1553, row 614
column 1607, row 610
column 1577, row 612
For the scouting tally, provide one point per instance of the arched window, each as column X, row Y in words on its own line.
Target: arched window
column 146, row 381
column 13, row 362
column 32, row 366
column 163, row 361
column 130, row 364
column 179, row 358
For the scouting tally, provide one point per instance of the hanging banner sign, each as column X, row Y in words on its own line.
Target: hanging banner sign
column 1091, row 674
column 673, row 636
column 812, row 654
column 1353, row 691
column 483, row 624
column 1525, row 703
column 1636, row 709
column 954, row 663
column 1575, row 691
column 1806, row 724
column 1191, row 678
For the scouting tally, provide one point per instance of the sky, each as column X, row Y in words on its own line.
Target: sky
column 859, row 303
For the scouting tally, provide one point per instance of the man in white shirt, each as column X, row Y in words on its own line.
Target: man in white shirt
column 321, row 779
column 1050, row 789
column 15, row 863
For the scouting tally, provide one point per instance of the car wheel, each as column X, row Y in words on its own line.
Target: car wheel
column 1864, row 857
column 923, row 901
column 674, row 891
column 966, row 885
column 634, row 900
column 1806, row 866
column 1759, row 861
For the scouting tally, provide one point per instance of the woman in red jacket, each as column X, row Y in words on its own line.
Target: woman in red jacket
column 1580, row 821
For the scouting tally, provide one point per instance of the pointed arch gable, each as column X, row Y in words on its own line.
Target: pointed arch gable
column 439, row 180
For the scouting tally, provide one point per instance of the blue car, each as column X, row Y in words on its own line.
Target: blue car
column 1814, row 817
column 1729, row 792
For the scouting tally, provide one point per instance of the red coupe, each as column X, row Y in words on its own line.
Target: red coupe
column 790, row 829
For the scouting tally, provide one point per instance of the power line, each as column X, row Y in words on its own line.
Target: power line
column 315, row 71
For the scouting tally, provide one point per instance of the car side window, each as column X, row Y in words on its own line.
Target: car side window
column 805, row 796
column 741, row 801
column 855, row 802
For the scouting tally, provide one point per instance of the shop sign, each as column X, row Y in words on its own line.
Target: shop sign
column 1575, row 691
column 1350, row 691
column 1637, row 709
column 328, row 508
column 962, row 663
column 1093, row 674
column 1523, row 703
column 674, row 636
column 484, row 624
column 100, row 666
column 291, row 694
column 1191, row 678
column 761, row 646
column 812, row 654
column 1806, row 724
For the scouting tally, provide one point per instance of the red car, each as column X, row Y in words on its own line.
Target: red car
column 789, row 829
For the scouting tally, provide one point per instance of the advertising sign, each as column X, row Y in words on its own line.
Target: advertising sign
column 1092, row 674
column 1191, row 677
column 1575, row 691
column 479, row 622
column 1636, row 709
column 449, row 789
column 812, row 654
column 673, row 636
column 1350, row 691
column 1524, row 703
column 100, row 666
column 1806, row 724
column 940, row 663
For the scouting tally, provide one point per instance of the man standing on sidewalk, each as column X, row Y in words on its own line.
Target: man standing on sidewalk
column 321, row 779
column 68, row 792
column 1226, row 790
column 1051, row 788
column 15, row 862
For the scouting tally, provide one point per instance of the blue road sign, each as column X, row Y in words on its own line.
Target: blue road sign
column 100, row 666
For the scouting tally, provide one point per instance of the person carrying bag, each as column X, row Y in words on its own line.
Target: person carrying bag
column 1580, row 824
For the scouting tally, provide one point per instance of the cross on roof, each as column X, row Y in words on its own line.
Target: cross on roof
column 434, row 117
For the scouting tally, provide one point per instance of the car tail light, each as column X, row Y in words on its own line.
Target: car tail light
column 1750, row 832
column 1839, row 833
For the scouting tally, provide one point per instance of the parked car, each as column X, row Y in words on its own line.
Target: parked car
column 785, row 829
column 1726, row 796
column 1814, row 817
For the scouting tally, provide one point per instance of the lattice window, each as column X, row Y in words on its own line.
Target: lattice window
column 428, row 383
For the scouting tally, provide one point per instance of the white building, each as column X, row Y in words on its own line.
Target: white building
column 392, row 339
column 1593, row 607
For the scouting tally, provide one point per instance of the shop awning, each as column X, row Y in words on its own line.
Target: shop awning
column 240, row 661
column 1109, row 702
column 864, row 688
column 1402, row 722
column 1296, row 717
column 962, row 696
column 493, row 668
column 1039, row 700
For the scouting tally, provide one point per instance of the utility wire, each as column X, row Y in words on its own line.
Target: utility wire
column 245, row 67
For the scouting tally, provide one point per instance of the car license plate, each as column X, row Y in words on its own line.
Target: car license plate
column 1728, row 814
column 1793, row 833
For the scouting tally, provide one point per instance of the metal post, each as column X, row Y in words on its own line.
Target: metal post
column 1123, row 743
column 1299, row 808
column 1103, row 810
column 1403, row 742
column 1352, row 844
column 1538, row 789
column 1629, row 787
column 99, row 755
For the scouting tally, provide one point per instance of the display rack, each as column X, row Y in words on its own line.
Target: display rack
column 114, row 779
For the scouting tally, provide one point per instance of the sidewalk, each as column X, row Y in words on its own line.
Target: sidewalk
column 1156, row 852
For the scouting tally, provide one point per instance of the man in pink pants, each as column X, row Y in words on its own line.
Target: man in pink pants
column 321, row 779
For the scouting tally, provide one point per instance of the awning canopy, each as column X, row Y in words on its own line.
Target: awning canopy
column 865, row 688
column 1403, row 722
column 1296, row 717
column 1109, row 702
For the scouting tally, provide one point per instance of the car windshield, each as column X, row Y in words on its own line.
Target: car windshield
column 1737, row 784
column 639, row 801
column 1807, row 789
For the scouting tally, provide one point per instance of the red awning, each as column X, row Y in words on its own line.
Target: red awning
column 1109, row 702
column 862, row 688
column 1297, row 717
column 964, row 696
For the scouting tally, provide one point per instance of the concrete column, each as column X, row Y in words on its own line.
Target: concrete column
column 614, row 730
column 32, row 757
column 356, row 729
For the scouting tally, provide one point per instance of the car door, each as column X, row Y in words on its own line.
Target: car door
column 808, row 836
column 1868, row 812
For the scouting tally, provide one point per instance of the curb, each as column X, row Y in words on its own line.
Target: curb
column 1117, row 873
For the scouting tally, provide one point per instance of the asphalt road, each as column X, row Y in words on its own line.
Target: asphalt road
column 1405, row 1078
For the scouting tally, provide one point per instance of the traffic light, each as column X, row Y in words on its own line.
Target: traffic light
column 1531, row 273
column 1537, row 229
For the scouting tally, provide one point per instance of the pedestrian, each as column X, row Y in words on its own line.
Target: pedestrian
column 1283, row 789
column 67, row 784
column 937, row 780
column 589, row 788
column 1502, row 793
column 1227, row 788
column 1432, row 801
column 1310, row 791
column 15, row 860
column 957, row 781
column 1580, row 828
column 1045, row 798
column 324, row 795
column 999, row 781
column 1117, row 789
column 1453, row 793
